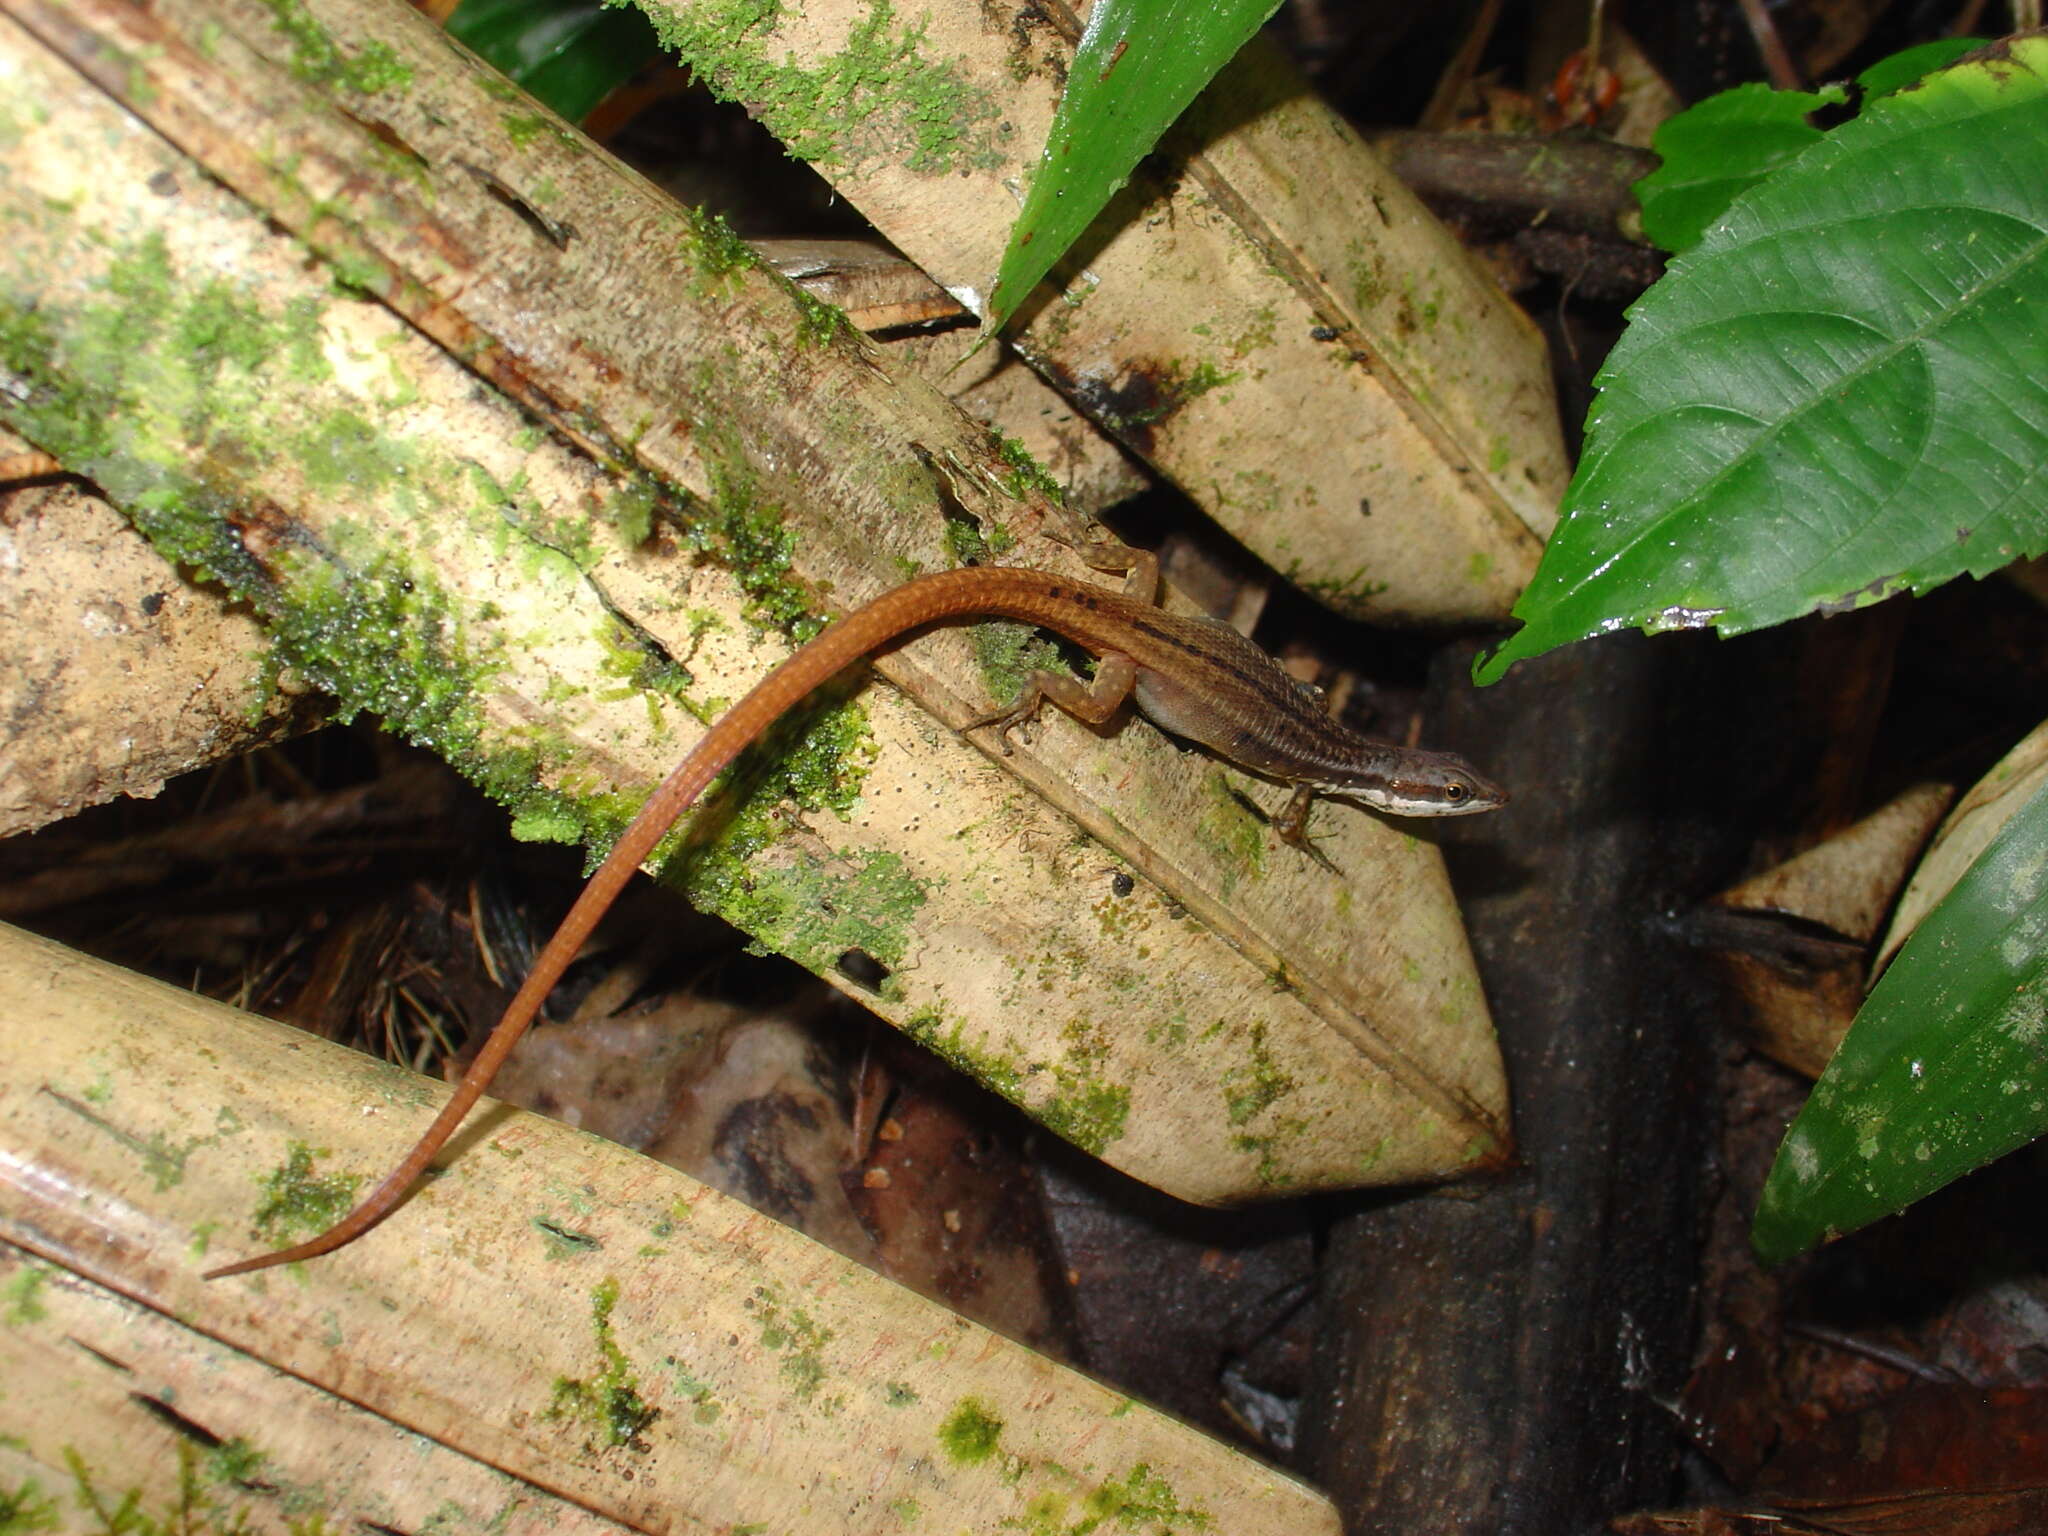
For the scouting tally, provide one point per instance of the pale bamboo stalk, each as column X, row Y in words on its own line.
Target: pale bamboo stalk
column 1274, row 323
column 118, row 675
column 602, row 1327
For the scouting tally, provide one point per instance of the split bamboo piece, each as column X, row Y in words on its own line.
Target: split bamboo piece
column 1274, row 322
column 1184, row 996
column 110, row 1402
column 611, row 1332
column 118, row 676
column 1843, row 887
column 881, row 292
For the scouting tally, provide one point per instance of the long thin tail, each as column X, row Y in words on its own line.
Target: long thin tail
column 674, row 796
column 1001, row 590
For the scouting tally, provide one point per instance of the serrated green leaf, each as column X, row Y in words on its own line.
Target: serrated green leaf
column 1138, row 66
column 1909, row 64
column 1840, row 394
column 568, row 54
column 1716, row 151
column 1946, row 1066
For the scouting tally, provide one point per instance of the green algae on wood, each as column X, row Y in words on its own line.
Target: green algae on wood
column 162, row 1159
column 1336, row 591
column 1271, row 1170
column 297, row 1202
column 1232, row 830
column 753, row 539
column 26, row 1510
column 1008, row 654
column 110, row 394
column 971, row 1432
column 319, row 60
column 878, row 98
column 792, row 1332
column 1256, row 1086
column 714, row 252
column 702, row 1395
column 1084, row 1107
column 1024, row 477
column 811, row 908
column 19, row 1302
column 608, row 1404
column 1140, row 1498
column 1085, row 1110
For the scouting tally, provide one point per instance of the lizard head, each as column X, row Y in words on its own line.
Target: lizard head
column 1423, row 784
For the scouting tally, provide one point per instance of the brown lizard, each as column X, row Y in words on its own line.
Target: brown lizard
column 1198, row 678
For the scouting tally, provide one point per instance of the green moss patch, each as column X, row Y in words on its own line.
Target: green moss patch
column 1251, row 1089
column 319, row 60
column 20, row 1302
column 169, row 388
column 1230, row 832
column 297, row 1202
column 1140, row 1500
column 608, row 1404
column 880, row 97
column 800, row 1339
column 971, row 1433
column 810, row 908
column 25, row 1509
column 1085, row 1107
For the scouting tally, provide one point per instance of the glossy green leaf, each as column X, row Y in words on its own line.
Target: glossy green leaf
column 1908, row 65
column 1138, row 66
column 569, row 54
column 1946, row 1066
column 1840, row 394
column 1718, row 150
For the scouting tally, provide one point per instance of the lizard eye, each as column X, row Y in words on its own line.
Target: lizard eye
column 1454, row 791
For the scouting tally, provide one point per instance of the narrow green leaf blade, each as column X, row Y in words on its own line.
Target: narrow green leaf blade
column 1138, row 66
column 1946, row 1066
column 1841, row 393
column 570, row 54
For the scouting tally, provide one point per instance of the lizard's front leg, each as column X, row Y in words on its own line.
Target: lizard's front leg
column 1138, row 567
column 1292, row 821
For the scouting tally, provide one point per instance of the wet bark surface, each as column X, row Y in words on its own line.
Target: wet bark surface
column 1494, row 1358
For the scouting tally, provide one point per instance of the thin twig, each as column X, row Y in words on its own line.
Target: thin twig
column 1784, row 74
